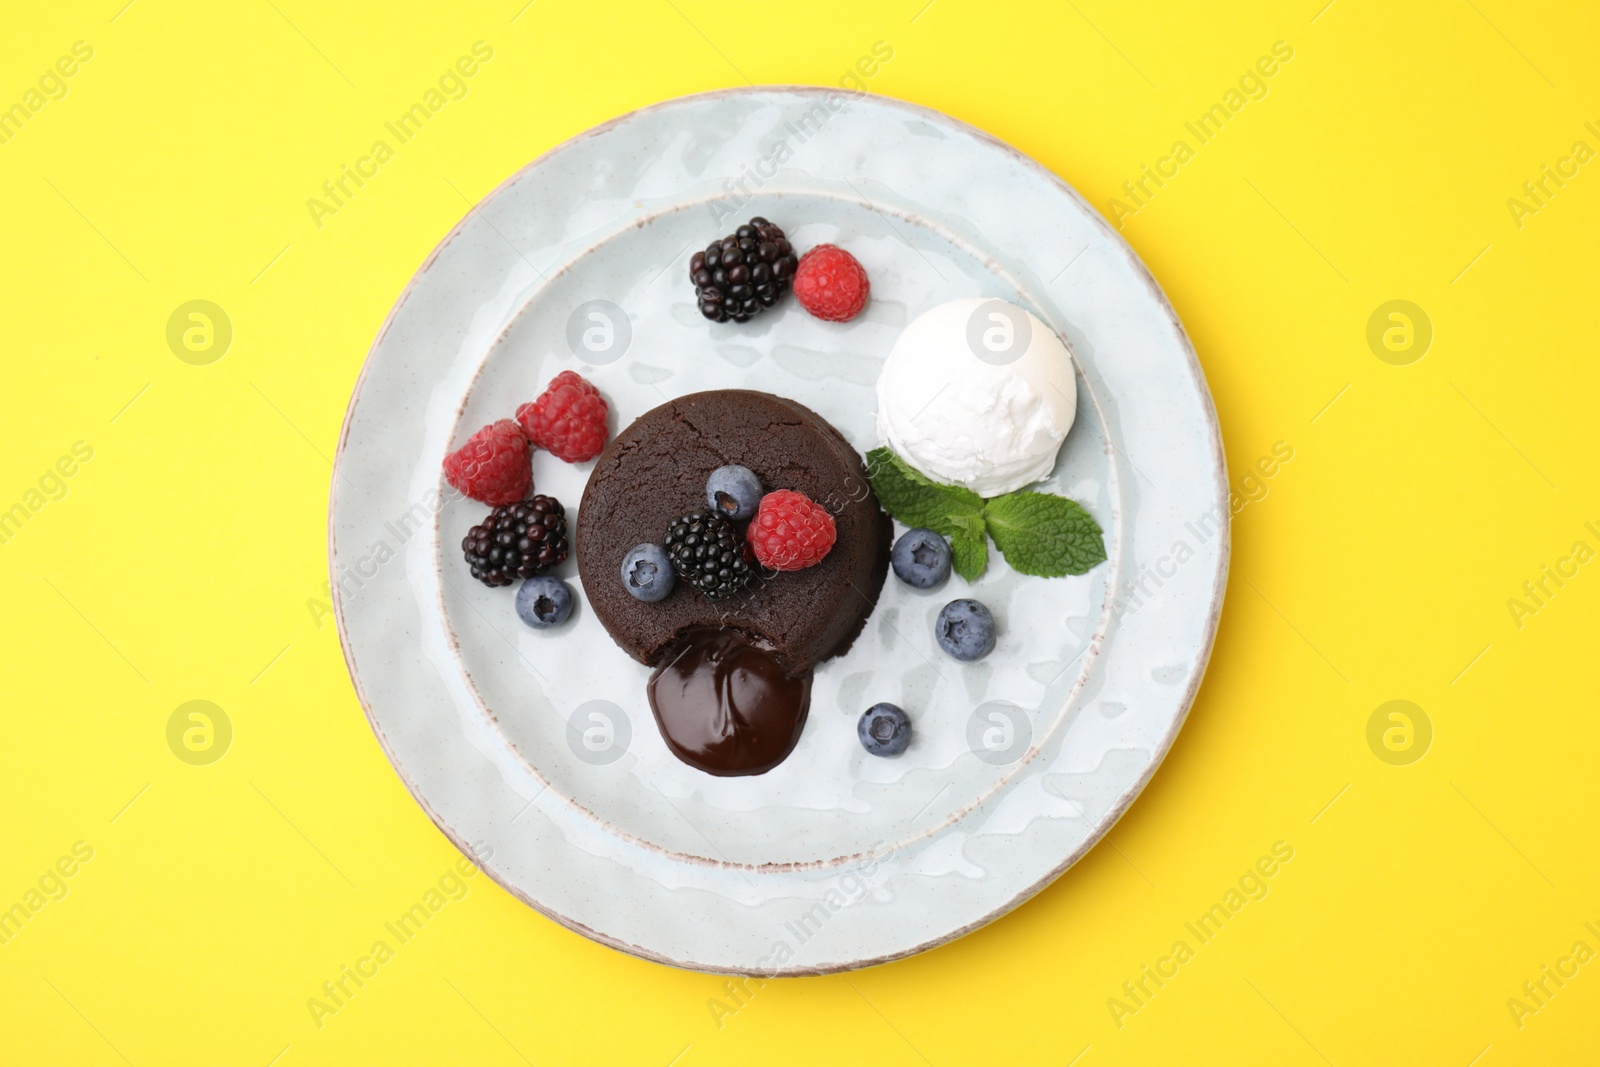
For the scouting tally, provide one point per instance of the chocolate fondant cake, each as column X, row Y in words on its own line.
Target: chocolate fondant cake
column 655, row 471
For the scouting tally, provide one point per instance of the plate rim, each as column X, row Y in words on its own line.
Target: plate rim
column 1211, row 623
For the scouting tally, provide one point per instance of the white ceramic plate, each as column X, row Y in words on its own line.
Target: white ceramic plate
column 536, row 752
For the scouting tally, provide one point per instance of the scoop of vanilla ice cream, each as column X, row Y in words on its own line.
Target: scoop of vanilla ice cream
column 980, row 393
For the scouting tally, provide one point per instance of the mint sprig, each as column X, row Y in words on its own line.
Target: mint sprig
column 1038, row 533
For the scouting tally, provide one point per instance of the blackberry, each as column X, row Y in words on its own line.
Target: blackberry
column 707, row 552
column 518, row 540
column 745, row 272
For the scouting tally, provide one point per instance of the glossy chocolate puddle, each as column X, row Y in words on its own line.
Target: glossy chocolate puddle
column 725, row 705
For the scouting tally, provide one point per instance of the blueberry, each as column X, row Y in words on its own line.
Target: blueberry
column 921, row 558
column 965, row 630
column 544, row 602
column 734, row 491
column 647, row 572
column 884, row 730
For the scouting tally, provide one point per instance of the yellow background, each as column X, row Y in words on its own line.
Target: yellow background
column 179, row 564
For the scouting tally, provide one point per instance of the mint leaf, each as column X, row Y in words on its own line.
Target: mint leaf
column 950, row 510
column 969, row 550
column 1044, row 535
column 916, row 501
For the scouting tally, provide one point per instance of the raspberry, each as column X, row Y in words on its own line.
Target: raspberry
column 493, row 465
column 790, row 531
column 568, row 420
column 831, row 284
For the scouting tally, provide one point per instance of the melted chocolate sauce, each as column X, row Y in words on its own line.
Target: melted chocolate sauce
column 725, row 705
